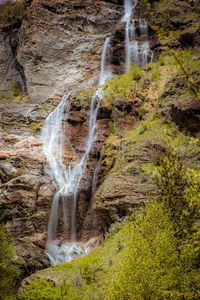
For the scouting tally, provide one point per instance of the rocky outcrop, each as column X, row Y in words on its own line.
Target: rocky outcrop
column 57, row 47
column 185, row 112
column 176, row 24
column 128, row 184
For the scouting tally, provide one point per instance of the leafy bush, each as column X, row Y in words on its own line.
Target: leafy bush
column 12, row 13
column 122, row 87
column 149, row 266
column 40, row 289
column 180, row 192
column 171, row 182
column 15, row 88
column 9, row 267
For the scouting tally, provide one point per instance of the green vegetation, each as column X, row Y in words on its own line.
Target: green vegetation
column 15, row 94
column 9, row 267
column 170, row 21
column 180, row 192
column 192, row 85
column 15, row 88
column 12, row 13
column 35, row 125
column 121, row 87
column 41, row 289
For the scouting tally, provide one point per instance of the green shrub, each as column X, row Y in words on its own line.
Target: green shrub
column 171, row 182
column 9, row 267
column 40, row 289
column 12, row 13
column 149, row 264
column 180, row 192
column 161, row 60
column 122, row 88
column 15, row 88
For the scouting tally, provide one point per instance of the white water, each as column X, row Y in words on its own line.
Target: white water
column 106, row 73
column 143, row 27
column 67, row 180
column 129, row 31
column 135, row 52
column 144, row 51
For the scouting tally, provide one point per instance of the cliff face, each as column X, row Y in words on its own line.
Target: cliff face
column 57, row 47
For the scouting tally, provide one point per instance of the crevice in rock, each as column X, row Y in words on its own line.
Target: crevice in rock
column 15, row 69
column 23, row 77
column 50, row 8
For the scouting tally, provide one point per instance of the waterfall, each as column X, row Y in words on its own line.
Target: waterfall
column 67, row 180
column 129, row 31
column 135, row 52
column 145, row 49
column 106, row 73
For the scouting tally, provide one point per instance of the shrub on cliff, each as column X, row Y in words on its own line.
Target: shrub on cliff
column 12, row 13
column 150, row 264
column 9, row 268
column 179, row 190
column 161, row 260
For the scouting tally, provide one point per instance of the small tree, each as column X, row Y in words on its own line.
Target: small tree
column 171, row 183
column 180, row 192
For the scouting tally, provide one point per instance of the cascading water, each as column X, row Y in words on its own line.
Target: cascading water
column 67, row 180
column 129, row 31
column 135, row 52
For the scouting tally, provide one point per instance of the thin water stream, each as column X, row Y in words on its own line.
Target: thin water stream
column 67, row 179
column 136, row 51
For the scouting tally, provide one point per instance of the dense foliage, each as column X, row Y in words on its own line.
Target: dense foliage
column 12, row 13
column 9, row 267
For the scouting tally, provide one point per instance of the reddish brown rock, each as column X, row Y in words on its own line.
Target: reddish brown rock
column 185, row 112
